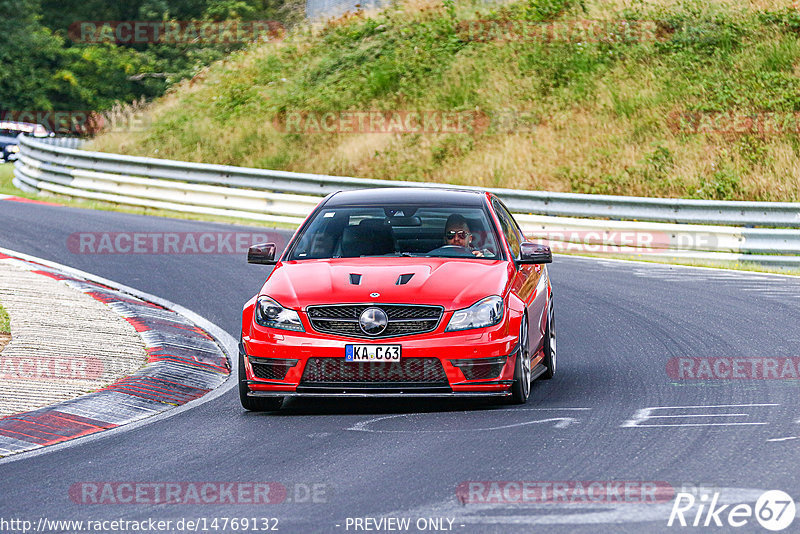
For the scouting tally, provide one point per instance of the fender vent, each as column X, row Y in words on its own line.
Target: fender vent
column 481, row 368
column 271, row 368
column 403, row 279
column 355, row 279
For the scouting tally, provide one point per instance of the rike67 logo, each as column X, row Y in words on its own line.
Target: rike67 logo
column 774, row 510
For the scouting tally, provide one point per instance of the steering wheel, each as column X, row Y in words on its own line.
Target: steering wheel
column 454, row 251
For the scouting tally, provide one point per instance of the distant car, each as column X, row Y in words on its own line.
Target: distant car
column 9, row 146
column 368, row 300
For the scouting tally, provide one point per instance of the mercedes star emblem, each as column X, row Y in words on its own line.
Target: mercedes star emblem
column 373, row 321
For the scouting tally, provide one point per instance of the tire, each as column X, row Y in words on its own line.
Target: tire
column 255, row 404
column 521, row 388
column 550, row 344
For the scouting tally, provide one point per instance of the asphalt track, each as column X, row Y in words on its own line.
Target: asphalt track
column 618, row 325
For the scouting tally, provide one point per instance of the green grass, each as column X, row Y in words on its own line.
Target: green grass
column 591, row 117
column 6, row 175
column 5, row 321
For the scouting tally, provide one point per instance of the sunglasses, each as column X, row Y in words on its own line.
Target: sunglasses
column 462, row 234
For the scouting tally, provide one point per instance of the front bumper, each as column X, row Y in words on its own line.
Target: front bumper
column 457, row 353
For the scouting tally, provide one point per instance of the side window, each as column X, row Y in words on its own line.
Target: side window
column 514, row 225
column 510, row 229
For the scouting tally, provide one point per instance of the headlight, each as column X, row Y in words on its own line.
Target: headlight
column 270, row 313
column 486, row 312
column 13, row 149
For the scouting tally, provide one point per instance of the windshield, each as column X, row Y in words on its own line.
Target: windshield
column 351, row 232
column 11, row 129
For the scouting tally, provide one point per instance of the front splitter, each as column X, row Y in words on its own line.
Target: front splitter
column 464, row 394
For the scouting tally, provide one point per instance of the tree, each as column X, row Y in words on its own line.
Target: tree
column 30, row 55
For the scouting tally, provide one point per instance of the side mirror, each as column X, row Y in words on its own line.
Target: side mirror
column 263, row 254
column 534, row 253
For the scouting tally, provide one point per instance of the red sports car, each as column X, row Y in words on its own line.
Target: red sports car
column 400, row 292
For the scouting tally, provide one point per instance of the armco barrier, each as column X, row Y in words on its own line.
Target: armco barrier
column 674, row 227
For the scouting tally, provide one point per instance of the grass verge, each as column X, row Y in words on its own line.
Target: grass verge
column 729, row 265
column 611, row 113
column 5, row 328
column 5, row 321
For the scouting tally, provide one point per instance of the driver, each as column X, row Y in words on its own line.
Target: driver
column 457, row 233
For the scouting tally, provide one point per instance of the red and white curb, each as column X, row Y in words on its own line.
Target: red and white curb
column 27, row 200
column 188, row 358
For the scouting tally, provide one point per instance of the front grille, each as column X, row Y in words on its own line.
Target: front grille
column 404, row 319
column 407, row 372
column 271, row 368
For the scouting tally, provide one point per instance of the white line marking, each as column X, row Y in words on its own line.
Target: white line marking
column 695, row 424
column 560, row 422
column 699, row 415
column 601, row 513
column 782, row 439
column 655, row 266
column 709, row 406
column 547, row 409
column 646, row 414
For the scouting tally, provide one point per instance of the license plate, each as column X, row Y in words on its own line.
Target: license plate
column 372, row 353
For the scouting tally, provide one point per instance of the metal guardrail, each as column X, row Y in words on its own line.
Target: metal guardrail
column 655, row 227
column 66, row 142
column 779, row 214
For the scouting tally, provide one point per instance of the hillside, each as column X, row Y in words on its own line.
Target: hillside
column 681, row 98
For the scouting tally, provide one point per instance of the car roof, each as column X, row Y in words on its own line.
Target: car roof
column 438, row 196
column 22, row 126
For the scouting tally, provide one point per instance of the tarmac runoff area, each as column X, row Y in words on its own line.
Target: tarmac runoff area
column 84, row 358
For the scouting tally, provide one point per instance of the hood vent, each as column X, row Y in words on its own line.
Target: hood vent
column 355, row 279
column 403, row 279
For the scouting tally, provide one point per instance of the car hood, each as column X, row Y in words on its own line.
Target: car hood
column 452, row 283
